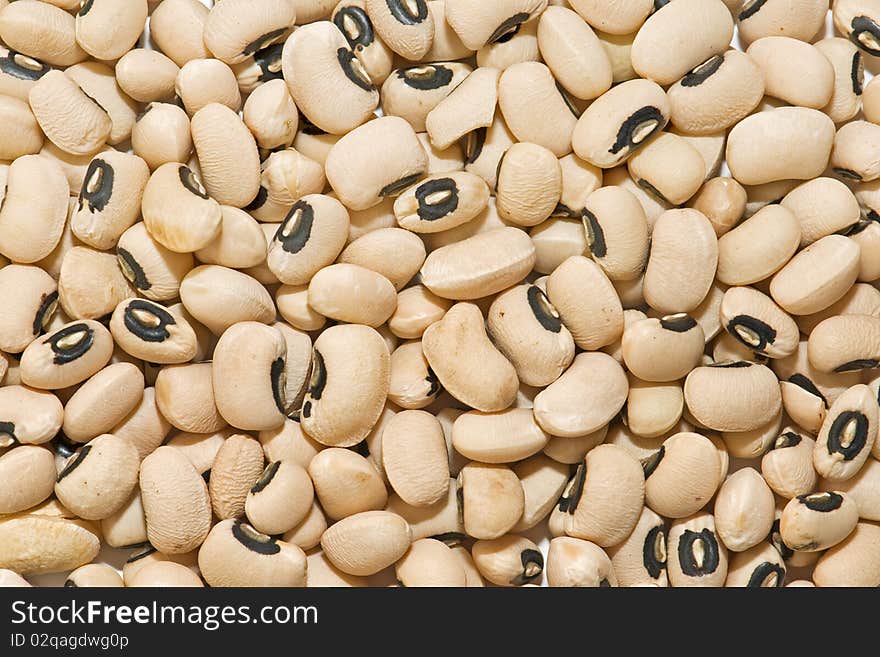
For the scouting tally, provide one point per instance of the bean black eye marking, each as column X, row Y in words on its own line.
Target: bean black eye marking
column 190, row 182
column 640, row 125
column 543, row 310
column 318, row 379
column 354, row 23
column 86, row 7
column 259, row 200
column 848, row 173
column 148, row 321
column 23, row 67
column 751, row 8
column 437, row 199
column 254, row 540
column 775, row 539
column 767, row 575
column 703, row 72
column 70, row 343
column 731, row 364
column 752, row 332
column 263, row 41
column 97, row 187
column 848, row 434
column 472, row 145
column 393, row 189
column 507, row 26
column 266, row 478
column 650, row 464
column 408, row 12
column 802, row 381
column 822, row 502
column 858, row 364
column 648, row 187
column 269, row 61
column 678, row 323
column 353, row 69
column 433, row 383
column 278, row 377
column 595, row 234
column 132, row 270
column 654, row 551
column 425, row 78
column 857, row 73
column 44, row 313
column 140, row 555
column 7, row 434
column 787, row 439
column 532, row 567
column 75, row 463
column 698, row 552
column 572, row 494
column 296, row 229
column 866, row 34
column 450, row 538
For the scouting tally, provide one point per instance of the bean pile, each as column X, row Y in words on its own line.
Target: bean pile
column 336, row 293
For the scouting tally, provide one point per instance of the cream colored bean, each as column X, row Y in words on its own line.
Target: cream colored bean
column 95, row 575
column 67, row 356
column 428, row 562
column 35, row 544
column 574, row 562
column 653, row 410
column 466, row 112
column 417, row 308
column 103, row 401
column 201, row 82
column 509, row 560
column 161, row 134
column 289, row 442
column 280, row 499
column 788, row 466
column 682, row 476
column 849, row 78
column 42, row 31
column 852, row 562
column 732, row 396
column 491, row 499
column 365, row 543
column 177, row 27
column 847, row 435
column 477, row 26
column 641, row 558
column 29, row 473
column 394, row 253
column 612, row 17
column 414, row 458
column 236, row 29
column 697, row 556
column 146, row 75
column 412, row 385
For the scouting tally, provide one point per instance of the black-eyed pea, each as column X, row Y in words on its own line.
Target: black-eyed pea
column 744, row 510
column 608, row 16
column 394, row 253
column 509, row 560
column 705, row 29
column 441, row 202
column 618, row 48
column 845, row 343
column 41, row 31
column 806, row 407
column 293, row 306
column 535, row 109
column 417, row 308
column 788, row 466
column 219, row 297
column 154, row 271
column 110, row 198
column 502, row 437
column 237, row 466
column 406, row 26
column 323, row 574
column 98, row 575
column 852, row 562
column 780, row 144
column 429, row 562
column 164, row 574
column 178, row 29
column 723, row 202
column 70, row 119
column 365, row 543
column 483, row 149
column 414, row 458
column 442, row 520
column 99, row 478
column 85, row 270
column 529, row 184
column 682, row 261
column 271, row 115
column 412, row 385
column 616, row 232
column 478, row 26
column 466, row 113
column 847, row 436
column 185, row 397
column 35, row 544
column 236, row 554
column 249, row 376
column 732, row 396
column 543, row 481
column 652, row 168
column 240, row 243
column 744, row 257
column 726, row 347
column 351, row 167
column 348, row 387
column 346, row 483
column 446, row 44
column 176, row 503
column 441, row 160
column 66, row 356
column 147, row 556
column 584, row 398
column 227, row 151
column 519, row 45
column 161, row 134
column 103, row 401
column 571, row 451
column 479, row 375
column 665, row 349
column 774, row 17
column 858, row 21
column 697, row 558
column 758, row 323
column 98, row 83
column 651, row 204
column 200, row 448
column 555, row 240
column 782, row 59
column 307, row 534
column 641, row 558
column 578, row 563
column 29, row 475
column 760, row 566
column 491, row 499
column 798, row 369
column 18, row 73
column 145, row 426
column 682, row 476
column 21, row 133
column 527, row 329
column 28, row 416
column 851, row 157
column 329, row 294
column 653, row 409
column 236, row 29
column 289, row 442
column 707, row 313
column 870, row 101
column 30, row 297
column 280, row 499
column 823, row 206
column 201, row 82
column 564, row 38
column 146, row 75
column 849, row 78
column 604, row 500
column 861, row 489
column 817, row 521
column 34, row 209
column 372, row 52
column 316, row 60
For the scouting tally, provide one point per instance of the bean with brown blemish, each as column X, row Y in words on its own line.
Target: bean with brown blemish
column 572, row 562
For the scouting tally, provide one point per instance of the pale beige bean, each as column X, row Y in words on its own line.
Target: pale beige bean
column 67, row 356
column 613, row 17
column 146, row 75
column 565, row 39
column 91, row 284
column 860, row 488
column 177, row 27
column 847, row 436
column 652, row 168
column 788, row 466
column 413, row 385
column 653, row 410
column 103, row 401
column 491, row 499
column 572, row 562
column 502, row 437
column 745, row 258
column 394, row 253
column 477, row 26
column 35, row 544
column 417, row 308
column 70, row 119
column 145, row 426
column 95, row 575
column 161, row 134
column 849, row 78
column 185, row 397
column 42, row 31
column 697, row 558
column 758, row 567
column 641, row 558
column 732, row 396
column 682, row 476
column 467, row 112
column 783, row 60
column 201, row 82
column 664, row 349
column 852, row 562
column 430, row 563
column 236, row 29
column 365, row 543
column 289, row 442
column 219, row 297
column 29, row 475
